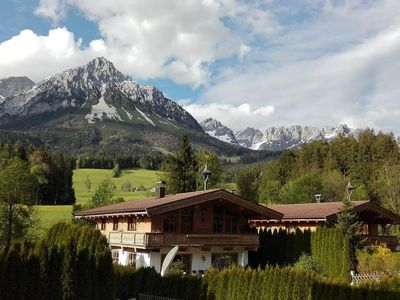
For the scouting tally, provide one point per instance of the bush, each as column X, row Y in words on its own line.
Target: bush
column 378, row 259
column 307, row 263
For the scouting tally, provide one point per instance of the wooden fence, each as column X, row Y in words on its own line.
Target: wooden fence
column 361, row 277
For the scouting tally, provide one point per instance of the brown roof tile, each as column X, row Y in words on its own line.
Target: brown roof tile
column 311, row 210
column 155, row 206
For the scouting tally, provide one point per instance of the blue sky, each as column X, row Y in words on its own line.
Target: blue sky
column 254, row 63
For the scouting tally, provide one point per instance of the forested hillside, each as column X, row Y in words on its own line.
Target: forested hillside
column 371, row 163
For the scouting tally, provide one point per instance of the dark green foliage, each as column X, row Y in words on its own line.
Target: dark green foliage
column 371, row 162
column 130, row 282
column 248, row 182
column 52, row 172
column 351, row 228
column 71, row 262
column 330, row 248
column 181, row 171
column 105, row 194
column 116, row 170
column 17, row 187
column 280, row 247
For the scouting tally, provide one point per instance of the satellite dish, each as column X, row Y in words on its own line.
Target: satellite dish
column 168, row 260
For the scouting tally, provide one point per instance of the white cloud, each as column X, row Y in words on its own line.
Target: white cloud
column 358, row 86
column 237, row 117
column 40, row 56
column 158, row 38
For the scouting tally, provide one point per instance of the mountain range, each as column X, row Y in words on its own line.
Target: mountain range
column 96, row 109
column 274, row 138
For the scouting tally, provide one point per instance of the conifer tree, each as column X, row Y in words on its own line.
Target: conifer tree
column 181, row 170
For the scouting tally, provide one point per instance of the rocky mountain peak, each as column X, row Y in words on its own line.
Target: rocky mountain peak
column 14, row 85
column 214, row 128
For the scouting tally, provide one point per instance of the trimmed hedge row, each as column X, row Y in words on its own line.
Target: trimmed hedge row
column 129, row 282
column 328, row 246
column 280, row 247
column 272, row 283
column 71, row 262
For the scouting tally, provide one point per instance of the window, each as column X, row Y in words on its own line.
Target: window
column 132, row 224
column 187, row 220
column 115, row 224
column 170, row 222
column 182, row 262
column 115, row 256
column 224, row 260
column 217, row 220
column 103, row 224
column 132, row 259
column 231, row 224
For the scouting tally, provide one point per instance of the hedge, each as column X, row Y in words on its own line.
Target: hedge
column 328, row 246
column 71, row 262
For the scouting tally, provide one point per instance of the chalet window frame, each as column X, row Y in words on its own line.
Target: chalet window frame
column 103, row 224
column 170, row 222
column 132, row 224
column 115, row 256
column 115, row 224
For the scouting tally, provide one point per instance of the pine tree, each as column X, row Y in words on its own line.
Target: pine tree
column 181, row 171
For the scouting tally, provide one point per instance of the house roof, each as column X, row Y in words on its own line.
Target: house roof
column 327, row 211
column 155, row 206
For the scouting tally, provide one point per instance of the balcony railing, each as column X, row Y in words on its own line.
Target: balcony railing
column 390, row 241
column 154, row 240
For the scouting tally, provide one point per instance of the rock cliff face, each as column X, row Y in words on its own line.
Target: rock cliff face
column 95, row 105
column 280, row 138
column 274, row 138
column 14, row 85
column 103, row 91
column 214, row 128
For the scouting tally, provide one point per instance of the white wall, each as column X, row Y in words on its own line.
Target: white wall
column 198, row 263
column 142, row 260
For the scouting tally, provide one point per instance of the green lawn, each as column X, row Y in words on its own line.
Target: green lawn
column 136, row 177
column 51, row 214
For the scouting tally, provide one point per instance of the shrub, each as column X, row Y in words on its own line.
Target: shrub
column 307, row 263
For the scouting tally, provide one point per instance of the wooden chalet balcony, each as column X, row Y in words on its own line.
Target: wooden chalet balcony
column 156, row 240
column 390, row 241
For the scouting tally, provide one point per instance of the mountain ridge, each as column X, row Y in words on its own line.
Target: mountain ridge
column 95, row 106
column 279, row 138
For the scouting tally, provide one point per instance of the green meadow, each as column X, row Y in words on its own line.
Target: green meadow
column 146, row 179
column 47, row 215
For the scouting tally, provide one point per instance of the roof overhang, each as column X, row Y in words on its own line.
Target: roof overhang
column 82, row 215
column 216, row 195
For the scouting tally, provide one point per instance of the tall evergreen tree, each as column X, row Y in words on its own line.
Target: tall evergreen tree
column 17, row 187
column 181, row 171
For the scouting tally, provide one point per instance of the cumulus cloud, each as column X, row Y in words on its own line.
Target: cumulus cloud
column 358, row 86
column 41, row 56
column 235, row 116
column 158, row 38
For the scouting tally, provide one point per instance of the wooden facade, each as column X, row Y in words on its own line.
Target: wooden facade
column 205, row 225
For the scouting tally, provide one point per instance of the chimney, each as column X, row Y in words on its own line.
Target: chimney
column 318, row 198
column 160, row 189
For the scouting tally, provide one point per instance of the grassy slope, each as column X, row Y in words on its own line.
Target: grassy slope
column 136, row 177
column 49, row 215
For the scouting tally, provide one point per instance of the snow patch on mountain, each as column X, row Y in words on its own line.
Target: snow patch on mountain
column 102, row 110
column 280, row 138
column 128, row 114
column 146, row 117
column 215, row 129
